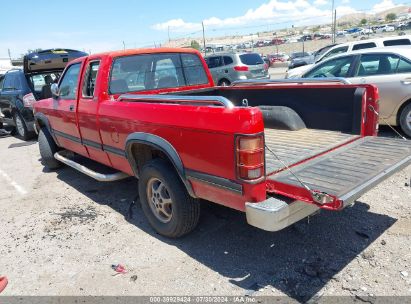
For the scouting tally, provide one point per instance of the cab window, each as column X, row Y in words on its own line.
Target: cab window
column 69, row 82
column 338, row 67
column 335, row 51
column 155, row 71
column 90, row 79
column 404, row 66
column 1, row 82
column 214, row 62
column 377, row 64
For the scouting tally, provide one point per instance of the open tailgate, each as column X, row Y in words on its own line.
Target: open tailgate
column 345, row 173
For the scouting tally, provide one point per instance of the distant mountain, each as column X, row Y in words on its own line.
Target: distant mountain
column 357, row 17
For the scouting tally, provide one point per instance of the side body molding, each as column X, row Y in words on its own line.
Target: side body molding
column 162, row 145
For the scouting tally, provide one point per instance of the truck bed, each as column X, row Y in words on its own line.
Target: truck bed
column 293, row 147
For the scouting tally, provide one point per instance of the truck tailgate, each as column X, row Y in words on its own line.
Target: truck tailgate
column 350, row 171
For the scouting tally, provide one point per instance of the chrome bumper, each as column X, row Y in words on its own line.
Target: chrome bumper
column 274, row 214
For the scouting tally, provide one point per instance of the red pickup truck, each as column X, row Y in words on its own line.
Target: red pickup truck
column 278, row 151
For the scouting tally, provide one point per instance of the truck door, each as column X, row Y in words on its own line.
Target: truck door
column 62, row 117
column 87, row 111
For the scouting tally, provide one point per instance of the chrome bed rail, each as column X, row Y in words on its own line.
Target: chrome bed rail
column 291, row 80
column 192, row 100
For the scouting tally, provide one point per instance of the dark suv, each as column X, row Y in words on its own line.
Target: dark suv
column 20, row 88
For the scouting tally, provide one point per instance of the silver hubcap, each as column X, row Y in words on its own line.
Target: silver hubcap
column 159, row 200
column 19, row 125
column 408, row 120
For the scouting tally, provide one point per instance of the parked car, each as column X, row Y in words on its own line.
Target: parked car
column 386, row 28
column 299, row 59
column 188, row 141
column 229, row 67
column 274, row 58
column 21, row 88
column 352, row 46
column 388, row 69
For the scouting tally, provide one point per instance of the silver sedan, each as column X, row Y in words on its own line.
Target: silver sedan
column 389, row 70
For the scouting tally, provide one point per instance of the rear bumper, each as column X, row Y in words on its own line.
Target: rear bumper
column 274, row 214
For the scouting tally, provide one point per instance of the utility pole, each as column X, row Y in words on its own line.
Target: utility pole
column 335, row 25
column 204, row 43
column 332, row 21
column 168, row 30
column 124, row 45
column 8, row 50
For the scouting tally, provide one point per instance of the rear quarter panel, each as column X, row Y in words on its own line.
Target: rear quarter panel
column 202, row 136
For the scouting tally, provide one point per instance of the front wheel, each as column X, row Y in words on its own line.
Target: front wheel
column 48, row 148
column 170, row 210
column 405, row 120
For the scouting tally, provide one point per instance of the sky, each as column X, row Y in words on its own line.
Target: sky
column 103, row 25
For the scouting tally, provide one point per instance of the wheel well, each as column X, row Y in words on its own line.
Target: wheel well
column 142, row 153
column 224, row 79
column 400, row 110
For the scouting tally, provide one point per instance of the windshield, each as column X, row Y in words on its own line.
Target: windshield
column 299, row 55
column 251, row 59
column 38, row 81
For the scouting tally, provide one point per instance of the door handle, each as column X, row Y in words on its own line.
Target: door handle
column 71, row 108
column 406, row 81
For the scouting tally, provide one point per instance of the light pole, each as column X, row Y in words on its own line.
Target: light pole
column 333, row 21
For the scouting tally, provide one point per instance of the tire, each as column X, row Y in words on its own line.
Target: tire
column 159, row 183
column 48, row 148
column 224, row 83
column 21, row 128
column 405, row 120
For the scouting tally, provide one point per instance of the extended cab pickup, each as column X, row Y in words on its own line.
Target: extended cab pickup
column 278, row 151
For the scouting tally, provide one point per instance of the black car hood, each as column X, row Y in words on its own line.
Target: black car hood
column 49, row 60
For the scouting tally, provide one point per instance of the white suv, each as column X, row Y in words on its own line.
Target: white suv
column 349, row 47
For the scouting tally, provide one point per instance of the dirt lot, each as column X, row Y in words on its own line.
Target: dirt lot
column 61, row 232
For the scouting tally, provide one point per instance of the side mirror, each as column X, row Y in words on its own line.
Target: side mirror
column 55, row 90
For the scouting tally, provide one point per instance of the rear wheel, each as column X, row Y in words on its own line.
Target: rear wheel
column 21, row 128
column 170, row 210
column 224, row 83
column 405, row 120
column 48, row 148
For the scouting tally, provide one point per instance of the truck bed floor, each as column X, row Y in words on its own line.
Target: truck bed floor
column 294, row 146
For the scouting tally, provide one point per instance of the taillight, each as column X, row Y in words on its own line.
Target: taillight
column 250, row 157
column 265, row 66
column 241, row 68
column 29, row 100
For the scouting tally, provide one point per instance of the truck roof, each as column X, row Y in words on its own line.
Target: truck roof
column 145, row 51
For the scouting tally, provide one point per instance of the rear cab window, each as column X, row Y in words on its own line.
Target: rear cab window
column 395, row 42
column 362, row 46
column 251, row 59
column 156, row 71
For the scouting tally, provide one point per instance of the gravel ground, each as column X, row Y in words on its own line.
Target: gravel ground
column 61, row 232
